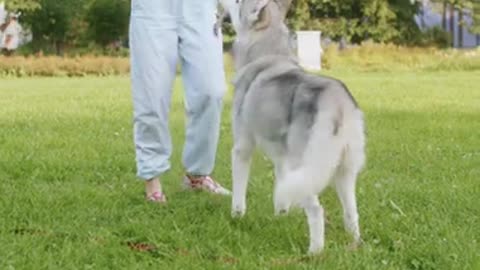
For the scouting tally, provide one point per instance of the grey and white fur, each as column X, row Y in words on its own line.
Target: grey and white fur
column 309, row 125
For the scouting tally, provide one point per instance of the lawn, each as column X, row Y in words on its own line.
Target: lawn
column 69, row 198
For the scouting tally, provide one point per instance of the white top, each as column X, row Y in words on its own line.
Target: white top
column 13, row 29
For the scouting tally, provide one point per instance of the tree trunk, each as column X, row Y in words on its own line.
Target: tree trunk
column 59, row 47
column 452, row 24
column 460, row 27
column 444, row 16
column 422, row 20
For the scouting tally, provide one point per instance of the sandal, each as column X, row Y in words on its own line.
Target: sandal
column 156, row 196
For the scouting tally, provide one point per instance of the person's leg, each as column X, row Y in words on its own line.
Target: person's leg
column 153, row 47
column 201, row 53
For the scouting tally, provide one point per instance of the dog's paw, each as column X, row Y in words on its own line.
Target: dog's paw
column 238, row 213
column 282, row 211
column 315, row 249
column 238, row 210
column 355, row 245
column 281, row 207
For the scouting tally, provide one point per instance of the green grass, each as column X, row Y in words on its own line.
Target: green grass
column 69, row 198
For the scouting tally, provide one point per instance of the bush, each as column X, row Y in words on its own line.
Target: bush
column 62, row 66
column 388, row 57
column 367, row 57
column 436, row 36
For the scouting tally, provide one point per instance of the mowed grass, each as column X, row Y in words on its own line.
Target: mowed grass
column 69, row 198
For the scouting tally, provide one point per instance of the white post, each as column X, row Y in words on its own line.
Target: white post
column 309, row 49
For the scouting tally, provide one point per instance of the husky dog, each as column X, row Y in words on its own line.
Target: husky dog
column 310, row 126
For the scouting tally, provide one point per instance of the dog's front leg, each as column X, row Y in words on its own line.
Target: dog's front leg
column 316, row 224
column 241, row 161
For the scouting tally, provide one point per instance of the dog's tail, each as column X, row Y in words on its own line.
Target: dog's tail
column 329, row 142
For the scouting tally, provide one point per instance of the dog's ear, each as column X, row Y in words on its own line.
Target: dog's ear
column 260, row 15
column 284, row 6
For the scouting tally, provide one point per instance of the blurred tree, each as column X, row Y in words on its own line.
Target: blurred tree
column 52, row 23
column 357, row 20
column 22, row 5
column 108, row 20
column 57, row 24
column 475, row 28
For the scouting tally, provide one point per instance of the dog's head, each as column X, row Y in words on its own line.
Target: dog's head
column 260, row 29
column 256, row 15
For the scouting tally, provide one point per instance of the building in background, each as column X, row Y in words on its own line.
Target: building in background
column 431, row 16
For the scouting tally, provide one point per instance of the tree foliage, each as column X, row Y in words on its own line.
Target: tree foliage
column 53, row 21
column 108, row 20
column 461, row 7
column 357, row 20
column 476, row 17
column 79, row 23
column 22, row 5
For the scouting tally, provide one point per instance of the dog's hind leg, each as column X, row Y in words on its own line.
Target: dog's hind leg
column 352, row 162
column 241, row 161
column 316, row 224
column 345, row 182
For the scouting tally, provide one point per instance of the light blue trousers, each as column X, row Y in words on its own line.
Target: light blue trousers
column 162, row 34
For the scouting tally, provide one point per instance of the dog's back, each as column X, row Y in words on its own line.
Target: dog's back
column 280, row 104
